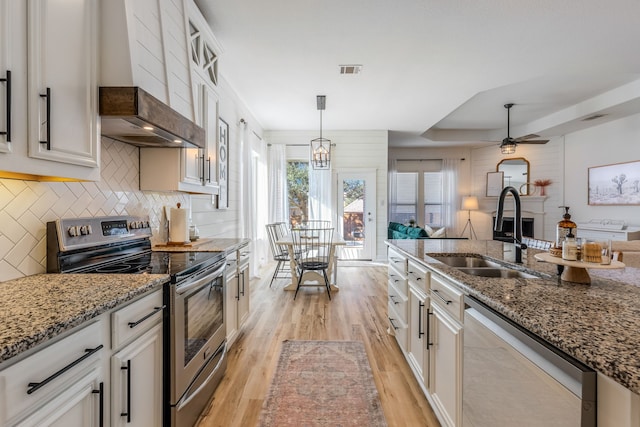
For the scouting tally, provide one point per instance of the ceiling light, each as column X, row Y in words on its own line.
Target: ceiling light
column 320, row 147
column 147, row 128
column 177, row 141
column 508, row 146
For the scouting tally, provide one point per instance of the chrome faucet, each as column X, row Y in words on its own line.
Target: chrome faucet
column 517, row 221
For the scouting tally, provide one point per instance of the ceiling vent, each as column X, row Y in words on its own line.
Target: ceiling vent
column 595, row 116
column 350, row 69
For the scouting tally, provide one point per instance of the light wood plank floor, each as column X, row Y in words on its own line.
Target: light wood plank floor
column 357, row 312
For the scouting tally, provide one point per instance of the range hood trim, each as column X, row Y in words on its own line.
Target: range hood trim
column 133, row 107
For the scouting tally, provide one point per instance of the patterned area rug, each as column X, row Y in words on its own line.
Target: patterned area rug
column 322, row 383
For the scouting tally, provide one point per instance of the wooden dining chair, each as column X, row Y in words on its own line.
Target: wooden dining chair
column 312, row 248
column 280, row 253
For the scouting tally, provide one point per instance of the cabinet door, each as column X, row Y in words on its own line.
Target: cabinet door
column 13, row 56
column 136, row 382
column 80, row 405
column 211, row 127
column 231, row 305
column 445, row 381
column 417, row 333
column 243, row 294
column 62, row 81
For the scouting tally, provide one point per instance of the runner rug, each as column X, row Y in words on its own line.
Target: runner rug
column 322, row 383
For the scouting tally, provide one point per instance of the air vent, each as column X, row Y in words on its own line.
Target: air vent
column 350, row 69
column 595, row 116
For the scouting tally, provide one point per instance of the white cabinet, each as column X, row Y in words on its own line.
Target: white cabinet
column 58, row 385
column 136, row 368
column 445, row 370
column 398, row 296
column 136, row 381
column 53, row 102
column 591, row 232
column 445, row 382
column 418, row 351
column 237, row 292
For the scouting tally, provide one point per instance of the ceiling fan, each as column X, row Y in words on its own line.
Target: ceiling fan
column 508, row 145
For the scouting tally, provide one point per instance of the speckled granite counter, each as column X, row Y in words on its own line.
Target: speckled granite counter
column 206, row 245
column 597, row 324
column 34, row 309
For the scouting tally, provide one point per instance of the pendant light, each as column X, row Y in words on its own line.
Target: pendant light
column 320, row 147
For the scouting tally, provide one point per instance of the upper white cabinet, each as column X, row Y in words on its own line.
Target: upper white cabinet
column 49, row 48
column 144, row 44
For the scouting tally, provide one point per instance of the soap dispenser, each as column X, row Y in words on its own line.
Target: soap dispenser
column 570, row 247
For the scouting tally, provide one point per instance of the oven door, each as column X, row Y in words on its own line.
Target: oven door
column 197, row 326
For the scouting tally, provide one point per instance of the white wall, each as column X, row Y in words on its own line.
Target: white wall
column 353, row 150
column 614, row 142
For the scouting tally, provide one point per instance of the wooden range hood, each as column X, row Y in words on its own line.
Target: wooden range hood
column 133, row 116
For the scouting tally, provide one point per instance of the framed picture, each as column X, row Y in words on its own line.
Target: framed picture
column 223, row 165
column 495, row 183
column 617, row 184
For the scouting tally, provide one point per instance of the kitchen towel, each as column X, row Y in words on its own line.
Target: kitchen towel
column 178, row 229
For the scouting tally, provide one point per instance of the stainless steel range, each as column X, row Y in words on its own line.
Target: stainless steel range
column 194, row 329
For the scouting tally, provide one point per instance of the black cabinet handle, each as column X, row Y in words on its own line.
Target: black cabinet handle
column 238, row 287
column 201, row 159
column 437, row 293
column 128, row 412
column 428, row 337
column 393, row 324
column 137, row 322
column 242, row 291
column 393, row 299
column 209, row 161
column 47, row 95
column 36, row 386
column 100, row 392
column 7, row 81
column 420, row 331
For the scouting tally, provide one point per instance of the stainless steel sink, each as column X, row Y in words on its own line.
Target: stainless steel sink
column 504, row 273
column 466, row 261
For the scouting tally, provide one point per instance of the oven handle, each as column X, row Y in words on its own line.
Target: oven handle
column 182, row 289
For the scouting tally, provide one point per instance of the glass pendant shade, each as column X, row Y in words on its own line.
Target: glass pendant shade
column 508, row 147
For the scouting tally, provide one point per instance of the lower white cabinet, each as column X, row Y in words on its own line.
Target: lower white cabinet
column 237, row 292
column 445, row 382
column 418, row 354
column 58, row 385
column 136, row 382
column 82, row 405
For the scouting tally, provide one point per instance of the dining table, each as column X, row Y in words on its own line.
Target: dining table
column 310, row 277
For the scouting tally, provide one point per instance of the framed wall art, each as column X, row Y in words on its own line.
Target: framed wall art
column 223, row 165
column 617, row 184
column 495, row 183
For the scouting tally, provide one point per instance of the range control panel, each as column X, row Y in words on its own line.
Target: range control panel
column 73, row 233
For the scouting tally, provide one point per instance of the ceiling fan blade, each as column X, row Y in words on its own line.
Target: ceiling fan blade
column 533, row 141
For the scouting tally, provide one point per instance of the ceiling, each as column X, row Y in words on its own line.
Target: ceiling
column 434, row 73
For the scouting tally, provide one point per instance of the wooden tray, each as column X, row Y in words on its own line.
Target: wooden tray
column 576, row 271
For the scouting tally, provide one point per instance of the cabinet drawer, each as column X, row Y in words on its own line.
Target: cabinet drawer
column 397, row 261
column 399, row 301
column 447, row 296
column 399, row 328
column 418, row 275
column 56, row 368
column 136, row 318
column 398, row 281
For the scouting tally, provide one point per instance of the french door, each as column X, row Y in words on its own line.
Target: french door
column 356, row 209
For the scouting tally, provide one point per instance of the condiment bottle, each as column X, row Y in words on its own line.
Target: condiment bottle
column 570, row 247
column 564, row 227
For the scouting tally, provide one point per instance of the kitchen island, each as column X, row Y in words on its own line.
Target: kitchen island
column 596, row 324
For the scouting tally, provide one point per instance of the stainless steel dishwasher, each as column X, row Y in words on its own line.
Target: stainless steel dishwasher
column 513, row 378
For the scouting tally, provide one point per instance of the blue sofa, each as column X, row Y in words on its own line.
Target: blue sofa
column 400, row 231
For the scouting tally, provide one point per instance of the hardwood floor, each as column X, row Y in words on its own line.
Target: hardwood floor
column 357, row 312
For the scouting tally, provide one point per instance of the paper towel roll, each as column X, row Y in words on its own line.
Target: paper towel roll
column 178, row 228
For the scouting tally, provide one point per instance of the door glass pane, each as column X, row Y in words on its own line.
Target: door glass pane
column 353, row 191
column 298, row 191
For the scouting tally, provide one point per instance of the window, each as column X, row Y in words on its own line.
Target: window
column 418, row 193
column 298, row 191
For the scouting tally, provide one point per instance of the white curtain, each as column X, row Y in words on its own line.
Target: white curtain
column 450, row 169
column 392, row 194
column 253, row 215
column 320, row 194
column 278, row 198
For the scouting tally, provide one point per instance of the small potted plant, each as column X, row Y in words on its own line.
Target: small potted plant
column 542, row 183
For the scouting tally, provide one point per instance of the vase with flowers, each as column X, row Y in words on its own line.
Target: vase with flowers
column 542, row 184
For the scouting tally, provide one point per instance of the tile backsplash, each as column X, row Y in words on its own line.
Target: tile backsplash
column 26, row 206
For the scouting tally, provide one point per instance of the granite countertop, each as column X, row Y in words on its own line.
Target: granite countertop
column 597, row 324
column 36, row 308
column 206, row 245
